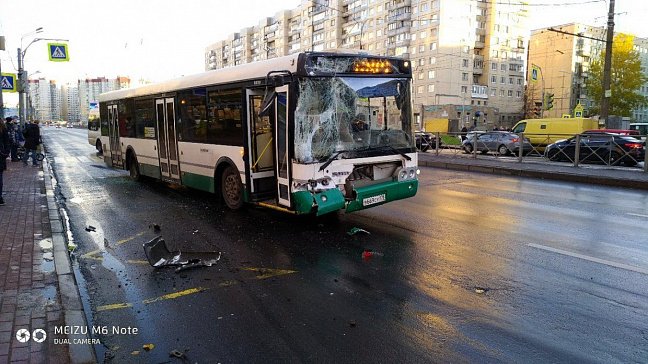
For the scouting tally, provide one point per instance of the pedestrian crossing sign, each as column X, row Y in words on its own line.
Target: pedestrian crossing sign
column 8, row 81
column 58, row 52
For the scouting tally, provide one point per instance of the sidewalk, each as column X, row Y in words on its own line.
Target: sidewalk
column 587, row 173
column 38, row 292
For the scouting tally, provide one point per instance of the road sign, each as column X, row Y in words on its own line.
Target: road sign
column 578, row 111
column 8, row 81
column 58, row 52
column 534, row 74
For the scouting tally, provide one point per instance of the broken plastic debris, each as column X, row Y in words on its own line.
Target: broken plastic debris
column 176, row 354
column 148, row 347
column 71, row 247
column 480, row 290
column 356, row 230
column 159, row 255
column 368, row 254
column 90, row 228
column 352, row 323
column 155, row 227
column 135, row 352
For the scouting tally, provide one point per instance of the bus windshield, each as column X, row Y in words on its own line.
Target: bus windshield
column 352, row 115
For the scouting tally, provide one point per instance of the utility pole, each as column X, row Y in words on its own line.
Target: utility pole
column 607, row 67
column 2, row 48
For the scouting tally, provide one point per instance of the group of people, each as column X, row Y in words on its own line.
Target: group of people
column 11, row 138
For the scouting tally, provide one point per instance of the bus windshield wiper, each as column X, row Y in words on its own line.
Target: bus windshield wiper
column 393, row 150
column 331, row 159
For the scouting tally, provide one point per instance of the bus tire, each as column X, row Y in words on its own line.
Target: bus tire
column 99, row 147
column 232, row 188
column 133, row 169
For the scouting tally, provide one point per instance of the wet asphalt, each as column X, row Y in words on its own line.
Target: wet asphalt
column 475, row 268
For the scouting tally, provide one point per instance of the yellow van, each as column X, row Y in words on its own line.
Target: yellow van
column 542, row 132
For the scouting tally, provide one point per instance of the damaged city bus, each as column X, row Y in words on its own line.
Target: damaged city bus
column 309, row 133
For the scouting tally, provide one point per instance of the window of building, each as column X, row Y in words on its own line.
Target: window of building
column 419, row 90
column 464, row 63
column 493, row 79
column 420, row 75
column 464, row 89
column 494, row 66
column 430, row 88
column 493, row 92
column 510, row 93
column 432, row 60
column 502, row 80
column 501, row 93
column 464, row 77
column 431, row 74
column 510, row 80
column 503, row 67
column 518, row 94
column 433, row 46
column 421, row 61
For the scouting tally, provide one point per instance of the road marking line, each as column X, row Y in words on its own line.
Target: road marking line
column 267, row 273
column 114, row 306
column 640, row 215
column 137, row 262
column 91, row 255
column 591, row 259
column 117, row 306
column 171, row 296
column 120, row 242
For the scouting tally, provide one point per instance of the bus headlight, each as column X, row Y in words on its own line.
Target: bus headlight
column 412, row 174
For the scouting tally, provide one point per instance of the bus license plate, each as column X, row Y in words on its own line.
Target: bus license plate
column 373, row 200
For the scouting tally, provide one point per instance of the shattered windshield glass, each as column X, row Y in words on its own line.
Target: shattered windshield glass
column 352, row 115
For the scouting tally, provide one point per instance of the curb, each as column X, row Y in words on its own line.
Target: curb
column 68, row 288
column 531, row 173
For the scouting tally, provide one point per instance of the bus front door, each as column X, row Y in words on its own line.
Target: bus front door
column 282, row 140
column 166, row 139
column 260, row 142
column 113, row 135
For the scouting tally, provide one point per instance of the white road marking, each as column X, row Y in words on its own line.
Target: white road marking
column 591, row 259
column 640, row 215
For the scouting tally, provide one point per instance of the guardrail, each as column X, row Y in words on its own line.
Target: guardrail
column 597, row 148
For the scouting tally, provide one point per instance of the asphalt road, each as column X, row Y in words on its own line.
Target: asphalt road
column 475, row 268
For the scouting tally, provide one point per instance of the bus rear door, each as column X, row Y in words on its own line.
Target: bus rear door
column 113, row 135
column 166, row 139
column 282, row 159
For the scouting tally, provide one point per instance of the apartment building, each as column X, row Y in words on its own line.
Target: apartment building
column 564, row 61
column 39, row 100
column 90, row 88
column 468, row 55
column 70, row 108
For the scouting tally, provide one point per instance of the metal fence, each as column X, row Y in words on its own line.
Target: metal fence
column 587, row 148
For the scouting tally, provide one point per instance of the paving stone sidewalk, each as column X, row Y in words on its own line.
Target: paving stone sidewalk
column 29, row 294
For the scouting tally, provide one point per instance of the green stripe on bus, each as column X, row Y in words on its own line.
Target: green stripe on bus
column 198, row 181
column 392, row 190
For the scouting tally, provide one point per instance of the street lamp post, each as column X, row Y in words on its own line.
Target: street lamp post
column 21, row 78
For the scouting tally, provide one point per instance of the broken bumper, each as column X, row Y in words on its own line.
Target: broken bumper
column 324, row 202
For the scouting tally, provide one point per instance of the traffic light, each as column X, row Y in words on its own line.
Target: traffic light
column 549, row 99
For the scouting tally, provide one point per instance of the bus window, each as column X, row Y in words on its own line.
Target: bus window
column 225, row 126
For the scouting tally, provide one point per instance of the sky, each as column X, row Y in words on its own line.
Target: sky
column 162, row 39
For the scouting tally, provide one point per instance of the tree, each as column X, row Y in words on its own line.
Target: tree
column 626, row 79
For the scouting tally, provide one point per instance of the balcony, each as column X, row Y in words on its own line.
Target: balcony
column 479, row 92
column 401, row 30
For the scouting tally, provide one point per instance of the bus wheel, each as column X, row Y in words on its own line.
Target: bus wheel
column 99, row 147
column 133, row 169
column 232, row 188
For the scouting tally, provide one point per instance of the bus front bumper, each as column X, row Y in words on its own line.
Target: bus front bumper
column 324, row 202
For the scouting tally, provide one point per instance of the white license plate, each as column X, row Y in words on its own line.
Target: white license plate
column 373, row 200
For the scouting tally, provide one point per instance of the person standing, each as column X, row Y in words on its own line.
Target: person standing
column 32, row 140
column 15, row 138
column 4, row 153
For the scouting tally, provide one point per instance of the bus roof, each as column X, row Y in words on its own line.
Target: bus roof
column 243, row 72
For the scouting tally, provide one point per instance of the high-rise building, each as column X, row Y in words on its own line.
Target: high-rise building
column 564, row 61
column 39, row 100
column 70, row 109
column 90, row 88
column 468, row 56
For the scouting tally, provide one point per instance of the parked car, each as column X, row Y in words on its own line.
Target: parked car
column 426, row 141
column 501, row 142
column 608, row 148
column 632, row 133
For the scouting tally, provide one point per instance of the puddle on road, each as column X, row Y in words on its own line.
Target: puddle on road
column 47, row 264
column 77, row 200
